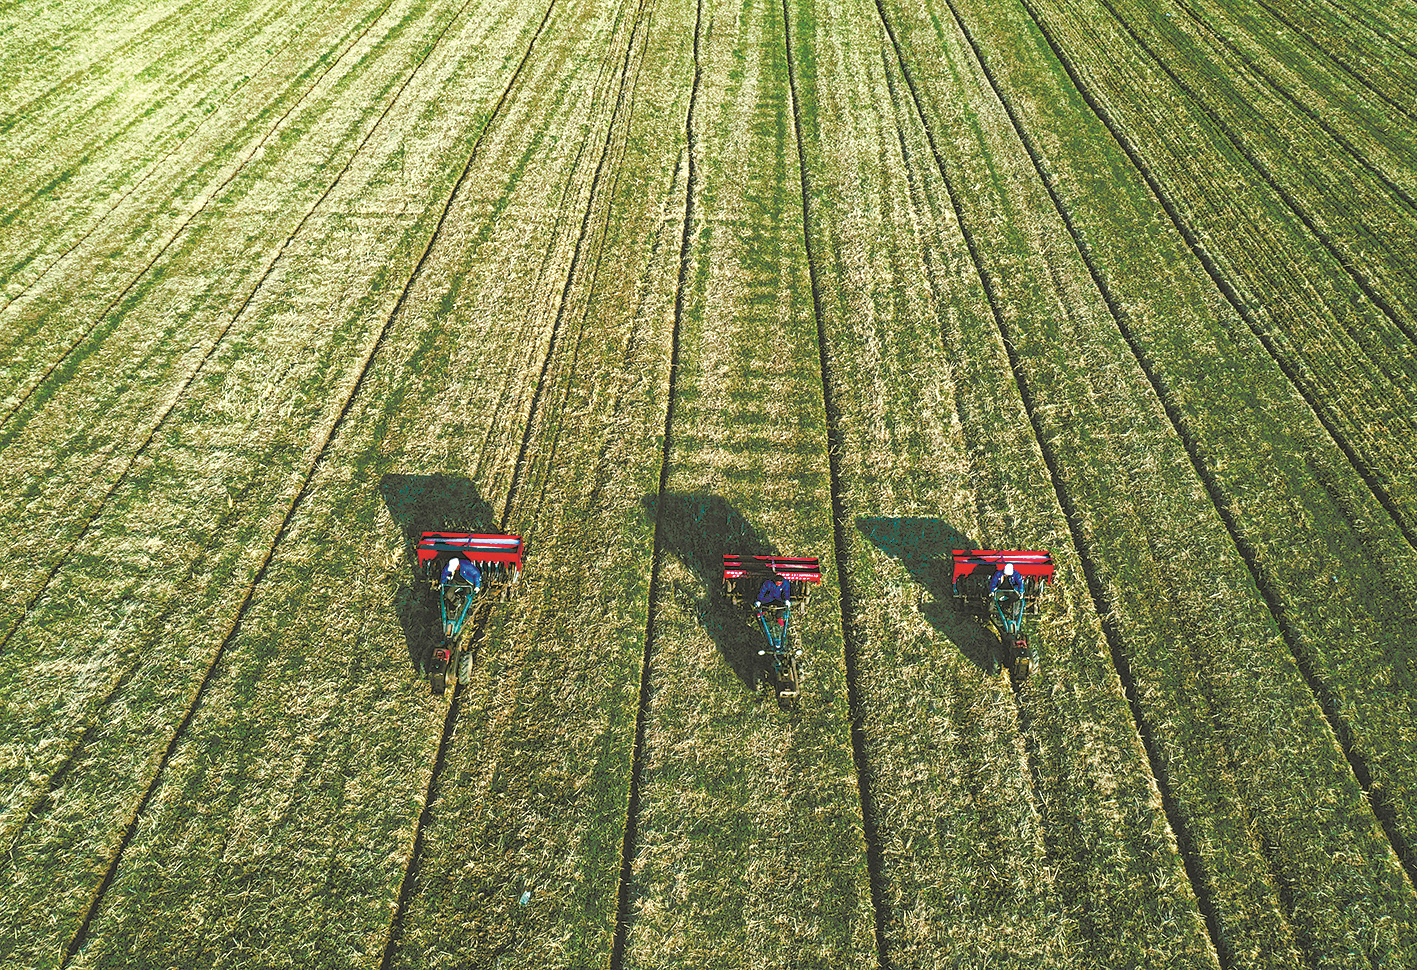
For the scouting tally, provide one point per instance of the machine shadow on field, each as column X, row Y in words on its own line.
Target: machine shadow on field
column 428, row 503
column 923, row 547
column 698, row 530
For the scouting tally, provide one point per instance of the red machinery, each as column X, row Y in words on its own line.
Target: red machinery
column 1008, row 583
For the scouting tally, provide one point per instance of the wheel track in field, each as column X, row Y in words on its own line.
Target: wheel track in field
column 152, row 170
column 1323, row 695
column 1251, row 157
column 594, row 197
column 176, row 234
column 630, row 845
column 1222, row 282
column 835, row 444
column 1104, row 608
column 1258, row 70
column 1328, row 702
column 130, row 829
column 216, row 343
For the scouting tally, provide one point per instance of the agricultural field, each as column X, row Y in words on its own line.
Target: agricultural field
column 645, row 282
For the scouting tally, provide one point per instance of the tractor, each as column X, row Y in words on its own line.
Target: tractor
column 772, row 585
column 463, row 568
column 1004, row 585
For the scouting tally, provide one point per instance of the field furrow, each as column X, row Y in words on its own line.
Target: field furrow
column 748, row 845
column 144, row 106
column 1333, row 346
column 1332, row 569
column 156, row 230
column 979, row 819
column 193, row 568
column 464, row 359
column 1357, row 117
column 1372, row 40
column 651, row 281
column 136, row 376
column 529, row 813
column 1367, row 224
column 1079, row 376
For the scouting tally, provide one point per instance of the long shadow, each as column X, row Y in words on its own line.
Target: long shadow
column 429, row 503
column 698, row 530
column 923, row 546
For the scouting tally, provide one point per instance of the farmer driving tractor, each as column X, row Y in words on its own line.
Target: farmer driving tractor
column 461, row 582
column 775, row 591
column 457, row 565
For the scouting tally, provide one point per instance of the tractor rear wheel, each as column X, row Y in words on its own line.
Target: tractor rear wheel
column 454, row 659
column 438, row 670
column 1023, row 658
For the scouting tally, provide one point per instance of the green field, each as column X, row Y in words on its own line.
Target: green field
column 284, row 285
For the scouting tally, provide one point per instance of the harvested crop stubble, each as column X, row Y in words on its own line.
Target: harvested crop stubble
column 1370, row 38
column 431, row 400
column 191, row 522
column 528, row 817
column 213, row 291
column 1325, row 551
column 1335, row 189
column 984, row 801
column 100, row 152
column 1308, row 68
column 1353, row 365
column 1260, row 788
column 748, row 848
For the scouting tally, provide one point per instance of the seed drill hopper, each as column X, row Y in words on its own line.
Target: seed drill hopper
column 979, row 582
column 498, row 561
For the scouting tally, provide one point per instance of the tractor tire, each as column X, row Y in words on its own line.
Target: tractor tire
column 438, row 671
column 790, row 686
column 1023, row 659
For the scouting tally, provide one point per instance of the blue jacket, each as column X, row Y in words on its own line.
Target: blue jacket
column 467, row 570
column 772, row 592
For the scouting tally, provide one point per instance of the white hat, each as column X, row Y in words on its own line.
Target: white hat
column 1008, row 569
column 453, row 563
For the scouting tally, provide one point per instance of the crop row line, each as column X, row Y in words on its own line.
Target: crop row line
column 1320, row 52
column 1396, row 39
column 573, row 268
column 835, row 443
column 1325, row 697
column 216, row 342
column 1190, row 857
column 1259, row 71
column 131, row 827
column 1357, row 76
column 192, row 215
column 630, row 844
column 520, row 465
column 12, row 117
column 55, row 781
column 153, row 169
column 1222, row 281
column 1251, row 157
